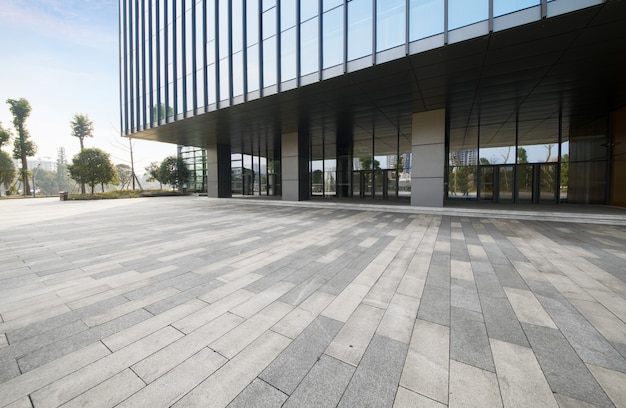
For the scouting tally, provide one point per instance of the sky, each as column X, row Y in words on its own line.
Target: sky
column 62, row 56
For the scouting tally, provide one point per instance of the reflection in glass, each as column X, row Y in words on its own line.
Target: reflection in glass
column 269, row 23
column 466, row 12
column 269, row 62
column 308, row 9
column 501, row 7
column 253, row 68
column 287, row 14
column 238, row 73
column 237, row 25
column 486, row 182
column 252, row 22
column 390, row 24
column 505, row 185
column 329, row 4
column 333, row 37
column 224, row 80
column 359, row 29
column 309, row 55
column 288, row 54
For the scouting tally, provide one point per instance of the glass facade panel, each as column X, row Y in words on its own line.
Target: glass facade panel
column 465, row 12
column 309, row 47
column 501, row 7
column 269, row 23
column 252, row 22
column 200, row 57
column 287, row 14
column 253, row 68
column 308, row 9
column 212, row 83
column 390, row 24
column 329, row 4
column 359, row 28
column 288, row 54
column 224, row 79
column 332, row 37
column 237, row 26
column 237, row 74
column 179, row 55
column 269, row 62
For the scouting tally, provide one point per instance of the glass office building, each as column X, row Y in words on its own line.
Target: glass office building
column 423, row 101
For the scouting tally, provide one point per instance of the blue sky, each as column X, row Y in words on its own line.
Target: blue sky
column 62, row 56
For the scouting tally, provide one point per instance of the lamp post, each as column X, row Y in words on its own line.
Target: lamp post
column 34, row 174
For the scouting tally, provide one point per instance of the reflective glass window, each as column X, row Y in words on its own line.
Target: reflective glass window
column 333, row 37
column 501, row 7
column 268, row 4
column 330, row 4
column 253, row 68
column 269, row 23
column 359, row 28
column 288, row 54
column 224, row 80
column 308, row 9
column 237, row 74
column 309, row 47
column 252, row 22
column 287, row 14
column 466, row 12
column 390, row 24
column 269, row 62
column 237, row 25
column 211, row 83
column 224, row 28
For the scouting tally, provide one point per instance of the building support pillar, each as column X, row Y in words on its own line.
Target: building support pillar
column 429, row 161
column 218, row 171
column 295, row 166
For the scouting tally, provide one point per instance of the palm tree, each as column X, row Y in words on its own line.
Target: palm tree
column 82, row 127
column 23, row 146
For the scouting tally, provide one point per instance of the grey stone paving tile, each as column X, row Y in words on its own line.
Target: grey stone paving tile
column 60, row 321
column 292, row 365
column 301, row 292
column 111, row 272
column 180, row 298
column 590, row 345
column 375, row 381
column 620, row 347
column 563, row 368
column 60, row 348
column 439, row 275
column 340, row 281
column 501, row 322
column 269, row 279
column 259, row 394
column 469, row 342
column 8, row 369
column 487, row 282
column 435, row 305
column 304, row 273
column 463, row 294
column 509, row 277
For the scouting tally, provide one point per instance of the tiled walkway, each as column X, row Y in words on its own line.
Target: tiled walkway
column 196, row 302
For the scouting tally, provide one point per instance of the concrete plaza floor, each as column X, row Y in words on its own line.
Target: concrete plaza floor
column 188, row 301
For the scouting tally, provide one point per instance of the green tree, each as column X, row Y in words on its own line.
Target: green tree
column 23, row 146
column 125, row 175
column 92, row 166
column 565, row 170
column 63, row 179
column 5, row 136
column 154, row 173
column 7, row 171
column 82, row 127
column 174, row 171
column 522, row 156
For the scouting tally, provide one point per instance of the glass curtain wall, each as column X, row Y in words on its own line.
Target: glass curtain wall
column 181, row 58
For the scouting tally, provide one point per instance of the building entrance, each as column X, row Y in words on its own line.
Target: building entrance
column 524, row 183
column 379, row 184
